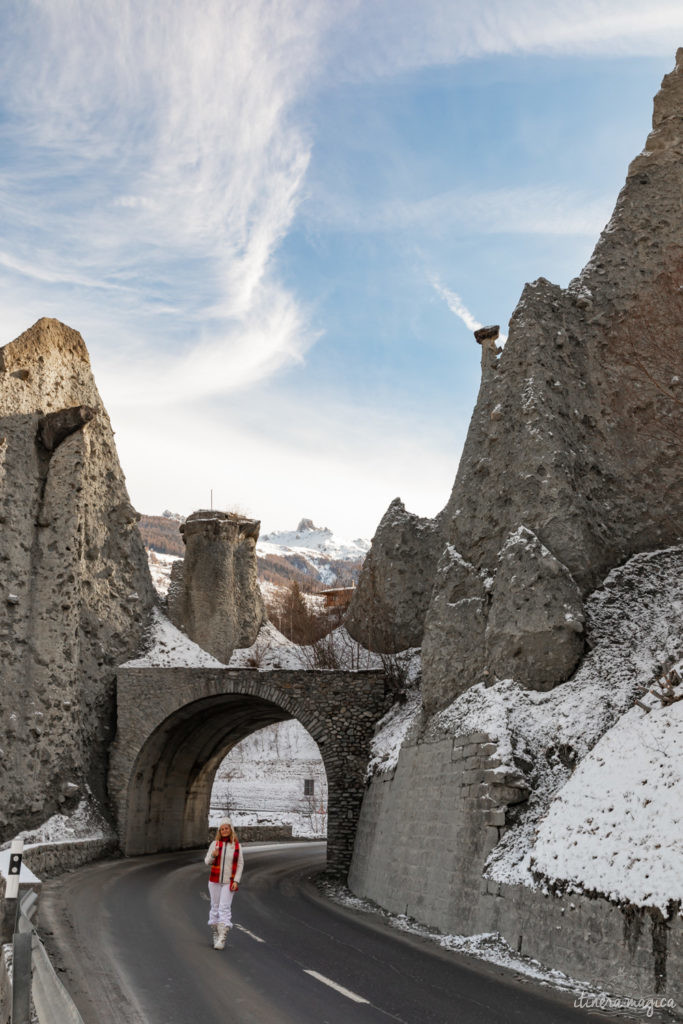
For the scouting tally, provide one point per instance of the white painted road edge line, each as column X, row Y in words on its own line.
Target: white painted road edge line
column 338, row 988
column 250, row 934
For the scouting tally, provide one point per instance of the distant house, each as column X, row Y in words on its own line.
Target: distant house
column 338, row 598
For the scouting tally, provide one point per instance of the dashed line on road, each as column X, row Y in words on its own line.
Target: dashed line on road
column 338, row 988
column 250, row 934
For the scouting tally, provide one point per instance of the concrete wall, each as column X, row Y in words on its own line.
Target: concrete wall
column 423, row 837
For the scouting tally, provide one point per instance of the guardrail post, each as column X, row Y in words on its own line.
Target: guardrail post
column 21, row 977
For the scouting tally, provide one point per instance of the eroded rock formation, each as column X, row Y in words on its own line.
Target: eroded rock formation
column 388, row 610
column 75, row 589
column 575, row 436
column 214, row 595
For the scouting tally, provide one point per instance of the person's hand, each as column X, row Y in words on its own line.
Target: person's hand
column 234, row 886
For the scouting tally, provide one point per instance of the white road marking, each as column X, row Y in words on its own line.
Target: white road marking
column 338, row 988
column 250, row 934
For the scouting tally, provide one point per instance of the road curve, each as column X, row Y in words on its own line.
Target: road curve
column 131, row 939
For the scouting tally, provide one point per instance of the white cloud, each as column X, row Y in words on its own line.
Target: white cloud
column 389, row 37
column 159, row 152
column 459, row 309
column 280, row 458
column 530, row 210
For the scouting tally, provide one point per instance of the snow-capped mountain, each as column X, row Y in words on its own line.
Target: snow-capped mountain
column 316, row 551
column 309, row 554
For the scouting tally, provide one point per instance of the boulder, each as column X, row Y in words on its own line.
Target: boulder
column 534, row 632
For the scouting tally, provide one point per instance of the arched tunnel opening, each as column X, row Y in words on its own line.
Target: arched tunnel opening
column 272, row 785
column 175, row 724
column 170, row 790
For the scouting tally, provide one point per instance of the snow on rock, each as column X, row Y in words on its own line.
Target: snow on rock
column 85, row 822
column 391, row 731
column 616, row 827
column 272, row 650
column 169, row 648
column 633, row 625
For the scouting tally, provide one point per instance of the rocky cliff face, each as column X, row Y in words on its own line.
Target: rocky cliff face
column 575, row 437
column 75, row 590
column 214, row 595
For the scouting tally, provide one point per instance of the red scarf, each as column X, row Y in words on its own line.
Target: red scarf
column 215, row 875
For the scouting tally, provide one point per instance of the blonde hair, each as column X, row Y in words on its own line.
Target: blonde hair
column 233, row 835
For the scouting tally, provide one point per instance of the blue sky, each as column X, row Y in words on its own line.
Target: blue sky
column 275, row 223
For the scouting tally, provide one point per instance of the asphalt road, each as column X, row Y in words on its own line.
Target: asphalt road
column 131, row 939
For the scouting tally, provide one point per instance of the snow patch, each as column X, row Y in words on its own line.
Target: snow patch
column 167, row 647
column 616, row 827
column 390, row 734
column 85, row 822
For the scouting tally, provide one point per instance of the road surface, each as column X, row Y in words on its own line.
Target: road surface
column 131, row 940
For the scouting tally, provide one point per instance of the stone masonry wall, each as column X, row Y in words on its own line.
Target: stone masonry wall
column 422, row 841
column 175, row 726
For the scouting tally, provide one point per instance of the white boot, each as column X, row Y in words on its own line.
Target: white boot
column 222, row 935
column 215, row 936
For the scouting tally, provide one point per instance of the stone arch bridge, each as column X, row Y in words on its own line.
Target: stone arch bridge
column 175, row 725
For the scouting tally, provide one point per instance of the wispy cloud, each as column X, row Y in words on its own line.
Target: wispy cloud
column 388, row 37
column 458, row 308
column 174, row 171
column 530, row 210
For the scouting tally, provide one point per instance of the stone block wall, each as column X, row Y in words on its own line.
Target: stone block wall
column 46, row 860
column 426, row 831
column 175, row 725
column 423, row 838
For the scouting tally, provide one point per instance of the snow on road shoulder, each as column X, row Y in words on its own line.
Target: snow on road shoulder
column 488, row 946
column 616, row 827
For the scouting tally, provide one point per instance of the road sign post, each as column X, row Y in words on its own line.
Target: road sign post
column 14, row 872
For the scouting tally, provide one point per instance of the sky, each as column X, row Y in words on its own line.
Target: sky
column 276, row 223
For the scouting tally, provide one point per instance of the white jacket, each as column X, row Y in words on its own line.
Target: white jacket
column 227, row 856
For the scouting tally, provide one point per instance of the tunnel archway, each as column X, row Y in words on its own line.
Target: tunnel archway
column 175, row 725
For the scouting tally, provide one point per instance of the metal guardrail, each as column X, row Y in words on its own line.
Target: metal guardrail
column 35, row 977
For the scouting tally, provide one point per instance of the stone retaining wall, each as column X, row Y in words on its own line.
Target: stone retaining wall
column 47, row 860
column 423, row 837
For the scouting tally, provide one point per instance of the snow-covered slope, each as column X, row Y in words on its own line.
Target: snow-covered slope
column 604, row 814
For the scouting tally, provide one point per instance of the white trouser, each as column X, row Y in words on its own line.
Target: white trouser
column 221, row 903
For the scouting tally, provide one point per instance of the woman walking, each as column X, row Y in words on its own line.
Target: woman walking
column 226, row 862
